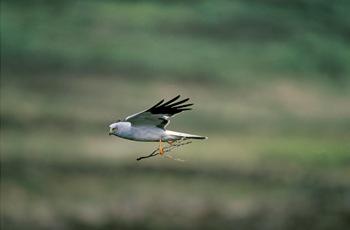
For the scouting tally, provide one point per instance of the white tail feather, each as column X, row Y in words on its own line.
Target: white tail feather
column 186, row 135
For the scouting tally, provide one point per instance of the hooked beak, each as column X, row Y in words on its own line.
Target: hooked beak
column 111, row 131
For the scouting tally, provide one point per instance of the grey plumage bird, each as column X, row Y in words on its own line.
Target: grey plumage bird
column 150, row 124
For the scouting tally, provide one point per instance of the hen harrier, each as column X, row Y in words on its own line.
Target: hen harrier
column 150, row 125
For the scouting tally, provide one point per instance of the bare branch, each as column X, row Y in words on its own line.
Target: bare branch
column 154, row 153
column 166, row 149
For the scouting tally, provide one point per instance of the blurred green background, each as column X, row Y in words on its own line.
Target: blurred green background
column 270, row 82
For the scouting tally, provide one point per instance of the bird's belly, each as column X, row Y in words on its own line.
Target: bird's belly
column 143, row 134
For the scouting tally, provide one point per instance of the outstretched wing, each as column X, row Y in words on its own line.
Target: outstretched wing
column 159, row 114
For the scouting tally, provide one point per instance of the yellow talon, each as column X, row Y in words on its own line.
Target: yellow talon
column 161, row 151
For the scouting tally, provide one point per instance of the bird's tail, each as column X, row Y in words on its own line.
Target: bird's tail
column 186, row 135
column 196, row 137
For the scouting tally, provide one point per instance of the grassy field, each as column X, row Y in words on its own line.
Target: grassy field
column 228, row 41
column 270, row 84
column 277, row 157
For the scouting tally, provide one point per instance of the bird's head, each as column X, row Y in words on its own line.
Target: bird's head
column 117, row 127
column 113, row 128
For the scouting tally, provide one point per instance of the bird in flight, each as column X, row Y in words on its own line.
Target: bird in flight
column 150, row 125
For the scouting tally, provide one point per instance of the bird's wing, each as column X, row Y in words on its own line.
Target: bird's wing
column 159, row 114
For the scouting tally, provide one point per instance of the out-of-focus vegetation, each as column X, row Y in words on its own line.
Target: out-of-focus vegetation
column 270, row 83
column 204, row 40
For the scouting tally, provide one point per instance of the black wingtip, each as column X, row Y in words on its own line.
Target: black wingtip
column 171, row 107
column 171, row 100
column 180, row 102
column 160, row 102
column 182, row 106
column 185, row 109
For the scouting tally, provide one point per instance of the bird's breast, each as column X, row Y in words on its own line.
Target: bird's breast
column 142, row 133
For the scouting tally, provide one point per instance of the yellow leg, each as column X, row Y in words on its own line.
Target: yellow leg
column 161, row 151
